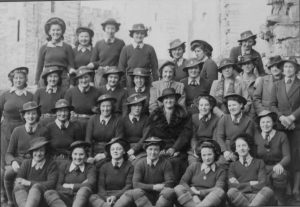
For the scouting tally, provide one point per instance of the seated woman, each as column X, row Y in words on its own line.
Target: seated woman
column 152, row 180
column 176, row 51
column 204, row 123
column 167, row 75
column 76, row 180
column 203, row 182
column 231, row 125
column 274, row 149
column 115, row 177
column 19, row 144
column 171, row 123
column 62, row 132
column 48, row 95
column 35, row 175
column 226, row 85
column 194, row 84
column 135, row 126
column 102, row 128
column 247, row 176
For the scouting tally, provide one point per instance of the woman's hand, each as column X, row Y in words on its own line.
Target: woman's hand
column 22, row 181
column 111, row 200
column 233, row 180
column 227, row 155
column 15, row 166
column 72, row 71
column 195, row 191
column 130, row 152
column 253, row 182
column 158, row 187
column 90, row 160
column 278, row 169
column 67, row 185
column 170, row 152
column 91, row 66
column 99, row 156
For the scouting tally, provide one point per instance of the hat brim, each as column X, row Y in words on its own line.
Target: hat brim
column 84, row 145
column 86, row 29
column 176, row 46
column 21, row 69
column 252, row 36
column 142, row 75
column 273, row 64
column 177, row 96
column 200, row 64
column 281, row 63
column 253, row 59
column 161, row 144
column 91, row 73
column 106, row 99
column 125, row 144
column 30, row 109
column 242, row 99
column 59, row 71
column 38, row 145
column 116, row 24
column 120, row 73
column 140, row 100
column 273, row 116
column 234, row 66
column 71, row 108
column 133, row 31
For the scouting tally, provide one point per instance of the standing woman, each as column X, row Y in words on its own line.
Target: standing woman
column 20, row 143
column 274, row 149
column 204, row 123
column 176, row 51
column 55, row 52
column 102, row 127
column 167, row 75
column 107, row 51
column 76, row 180
column 11, row 101
column 138, row 54
column 35, row 175
column 115, row 177
column 47, row 96
column 203, row 182
column 226, row 85
column 203, row 52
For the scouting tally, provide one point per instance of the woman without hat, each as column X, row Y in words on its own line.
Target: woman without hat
column 115, row 176
column 106, row 52
column 76, row 179
column 35, row 175
column 55, row 52
column 101, row 128
column 11, row 102
column 204, row 182
column 20, row 143
column 226, row 85
column 167, row 74
column 203, row 51
column 48, row 95
column 138, row 54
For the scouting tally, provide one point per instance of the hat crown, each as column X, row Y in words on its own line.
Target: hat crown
column 37, row 143
column 168, row 91
column 139, row 26
column 79, row 143
column 264, row 113
column 136, row 98
column 62, row 103
column 153, row 139
column 18, row 69
column 246, row 34
column 176, row 43
column 275, row 59
column 192, row 62
column 105, row 97
column 226, row 61
column 246, row 58
column 140, row 71
column 29, row 105
column 292, row 59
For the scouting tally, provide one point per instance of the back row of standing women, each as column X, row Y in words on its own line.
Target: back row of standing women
column 183, row 102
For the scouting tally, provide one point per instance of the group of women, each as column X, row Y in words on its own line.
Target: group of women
column 108, row 127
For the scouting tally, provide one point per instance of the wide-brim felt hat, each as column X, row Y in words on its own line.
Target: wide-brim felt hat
column 234, row 95
column 83, row 70
column 227, row 62
column 138, row 28
column 265, row 113
column 246, row 59
column 212, row 100
column 24, row 70
column 154, row 141
column 175, row 44
column 197, row 43
column 135, row 99
column 206, row 142
column 124, row 143
column 37, row 143
column 85, row 29
column 168, row 92
column 51, row 69
column 105, row 97
column 62, row 103
column 191, row 63
column 55, row 20
column 140, row 72
column 79, row 144
column 292, row 60
column 274, row 60
column 111, row 21
column 28, row 106
column 112, row 70
column 247, row 35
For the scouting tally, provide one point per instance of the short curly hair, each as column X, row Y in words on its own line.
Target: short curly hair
column 248, row 139
column 210, row 145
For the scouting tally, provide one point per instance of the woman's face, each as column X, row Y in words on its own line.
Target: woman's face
column 78, row 156
column 113, row 80
column 38, row 155
column 234, row 107
column 199, row 53
column 266, row 124
column 289, row 70
column 116, row 151
column 208, row 156
column 139, row 81
column 227, row 72
column 248, row 67
column 19, row 80
column 52, row 79
column 105, row 108
column 110, row 30
column 84, row 38
column 168, row 73
column 153, row 152
column 241, row 147
column 31, row 116
column 177, row 53
column 62, row 114
column 169, row 102
column 55, row 32
column 136, row 109
column 84, row 81
column 275, row 71
column 194, row 72
column 204, row 106
column 247, row 44
column 138, row 36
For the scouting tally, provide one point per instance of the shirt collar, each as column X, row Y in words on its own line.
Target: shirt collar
column 142, row 89
column 196, row 79
column 110, row 88
column 179, row 62
column 18, row 92
column 84, row 90
column 271, row 134
column 204, row 59
column 141, row 45
column 59, row 123
column 249, row 159
column 50, row 89
column 58, row 44
column 73, row 167
column 106, row 119
column 109, row 40
column 239, row 117
column 131, row 117
column 149, row 162
column 286, row 79
column 117, row 162
column 38, row 165
column 207, row 168
column 84, row 48
column 34, row 127
column 208, row 116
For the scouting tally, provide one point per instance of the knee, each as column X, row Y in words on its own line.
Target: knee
column 266, row 191
column 168, row 193
column 219, row 191
column 279, row 181
column 50, row 194
column 135, row 193
column 232, row 192
column 9, row 174
column 18, row 187
column 37, row 186
column 93, row 198
column 84, row 191
column 180, row 189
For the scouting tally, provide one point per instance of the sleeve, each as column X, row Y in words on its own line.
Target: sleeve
column 211, row 70
column 153, row 103
column 128, row 184
column 250, row 128
column 68, row 96
column 91, row 179
column 119, row 132
column 187, row 176
column 260, row 65
column 285, row 149
column 79, row 134
column 262, row 177
column 40, row 63
column 185, row 136
column 70, row 56
column 139, row 171
column 123, row 103
column 233, row 55
column 95, row 56
column 61, row 179
column 23, row 169
column 36, row 96
column 146, row 130
column 257, row 96
column 12, row 146
column 182, row 99
column 2, row 102
column 101, row 182
column 274, row 101
column 244, row 187
column 89, row 130
column 169, row 175
column 123, row 60
column 154, row 63
column 221, row 179
column 220, row 134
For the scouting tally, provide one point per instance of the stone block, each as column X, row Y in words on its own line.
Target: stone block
column 285, row 31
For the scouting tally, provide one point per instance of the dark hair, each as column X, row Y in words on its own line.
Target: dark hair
column 254, row 43
column 209, row 145
column 233, row 98
column 197, row 100
column 182, row 46
column 38, row 112
column 143, row 106
column 12, row 77
column 275, row 126
column 172, row 66
column 205, row 49
column 47, row 150
column 113, row 107
column 49, row 38
column 80, row 31
column 248, row 139
column 76, row 79
column 85, row 149
column 59, row 79
column 116, row 26
column 147, row 80
column 125, row 155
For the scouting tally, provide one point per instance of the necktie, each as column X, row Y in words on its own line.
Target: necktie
column 138, row 47
column 245, row 162
column 77, row 170
column 50, row 90
column 267, row 145
column 235, row 119
column 193, row 83
column 62, row 126
column 30, row 130
column 204, row 118
column 152, row 165
column 103, row 122
column 134, row 120
column 288, row 85
column 139, row 90
column 116, row 166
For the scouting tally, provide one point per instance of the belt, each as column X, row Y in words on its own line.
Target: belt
column 48, row 115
